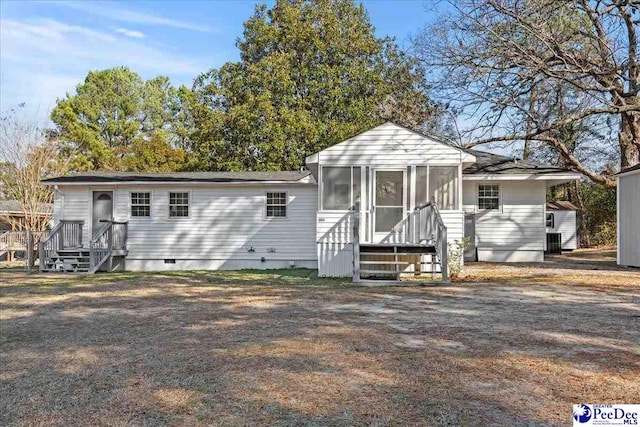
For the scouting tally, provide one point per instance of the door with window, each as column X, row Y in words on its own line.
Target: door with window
column 102, row 210
column 389, row 187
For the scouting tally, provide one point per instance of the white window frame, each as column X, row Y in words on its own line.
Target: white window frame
column 351, row 199
column 286, row 205
column 189, row 204
column 131, row 205
column 499, row 209
column 553, row 220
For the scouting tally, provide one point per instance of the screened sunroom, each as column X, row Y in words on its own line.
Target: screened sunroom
column 386, row 195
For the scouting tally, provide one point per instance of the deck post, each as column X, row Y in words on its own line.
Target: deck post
column 444, row 265
column 41, row 260
column 356, row 246
column 29, row 245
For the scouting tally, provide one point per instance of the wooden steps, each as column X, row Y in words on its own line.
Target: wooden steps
column 386, row 263
column 70, row 260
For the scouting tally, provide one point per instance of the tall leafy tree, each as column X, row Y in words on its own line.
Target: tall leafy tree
column 311, row 73
column 112, row 114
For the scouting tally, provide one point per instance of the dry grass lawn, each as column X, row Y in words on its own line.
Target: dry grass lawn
column 511, row 345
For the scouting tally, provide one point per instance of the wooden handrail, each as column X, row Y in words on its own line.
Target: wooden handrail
column 100, row 247
column 66, row 234
column 111, row 236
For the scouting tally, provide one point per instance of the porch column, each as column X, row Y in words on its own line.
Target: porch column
column 364, row 204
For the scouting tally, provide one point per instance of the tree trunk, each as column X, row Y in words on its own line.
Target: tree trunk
column 629, row 139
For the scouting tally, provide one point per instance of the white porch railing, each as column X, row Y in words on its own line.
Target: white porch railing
column 422, row 226
column 67, row 234
column 17, row 240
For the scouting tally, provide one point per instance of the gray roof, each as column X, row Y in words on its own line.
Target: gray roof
column 14, row 206
column 493, row 163
column 630, row 168
column 496, row 164
column 219, row 177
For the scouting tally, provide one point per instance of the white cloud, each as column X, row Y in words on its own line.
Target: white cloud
column 44, row 59
column 130, row 33
column 108, row 11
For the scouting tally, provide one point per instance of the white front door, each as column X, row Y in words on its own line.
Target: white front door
column 389, row 196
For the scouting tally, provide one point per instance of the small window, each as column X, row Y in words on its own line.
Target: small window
column 489, row 197
column 140, row 204
column 178, row 205
column 276, row 205
column 550, row 220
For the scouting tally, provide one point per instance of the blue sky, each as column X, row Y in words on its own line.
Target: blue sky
column 47, row 48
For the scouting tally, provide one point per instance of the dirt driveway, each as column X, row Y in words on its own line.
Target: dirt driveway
column 515, row 345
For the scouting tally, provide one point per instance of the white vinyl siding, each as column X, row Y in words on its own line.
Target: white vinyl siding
column 390, row 145
column 74, row 203
column 564, row 222
column 224, row 223
column 629, row 219
column 520, row 223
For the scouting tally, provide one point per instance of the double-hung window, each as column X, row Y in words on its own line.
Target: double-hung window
column 276, row 205
column 489, row 197
column 140, row 204
column 178, row 204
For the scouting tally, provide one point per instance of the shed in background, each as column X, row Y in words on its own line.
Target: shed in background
column 629, row 216
column 561, row 225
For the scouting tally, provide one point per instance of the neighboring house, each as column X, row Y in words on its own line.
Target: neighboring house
column 13, row 234
column 363, row 209
column 628, row 181
column 562, row 226
column 12, row 217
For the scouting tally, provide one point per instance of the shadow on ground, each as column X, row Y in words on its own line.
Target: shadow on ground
column 288, row 348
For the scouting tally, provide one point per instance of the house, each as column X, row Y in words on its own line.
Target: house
column 562, row 226
column 628, row 203
column 13, row 226
column 12, row 215
column 381, row 204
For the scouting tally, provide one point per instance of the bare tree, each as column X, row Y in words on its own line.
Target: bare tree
column 27, row 158
column 528, row 70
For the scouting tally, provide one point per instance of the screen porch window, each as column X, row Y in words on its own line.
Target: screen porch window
column 340, row 187
column 489, row 197
column 141, row 204
column 438, row 184
column 276, row 205
column 178, row 205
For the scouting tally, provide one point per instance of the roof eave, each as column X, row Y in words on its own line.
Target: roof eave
column 303, row 181
column 522, row 176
